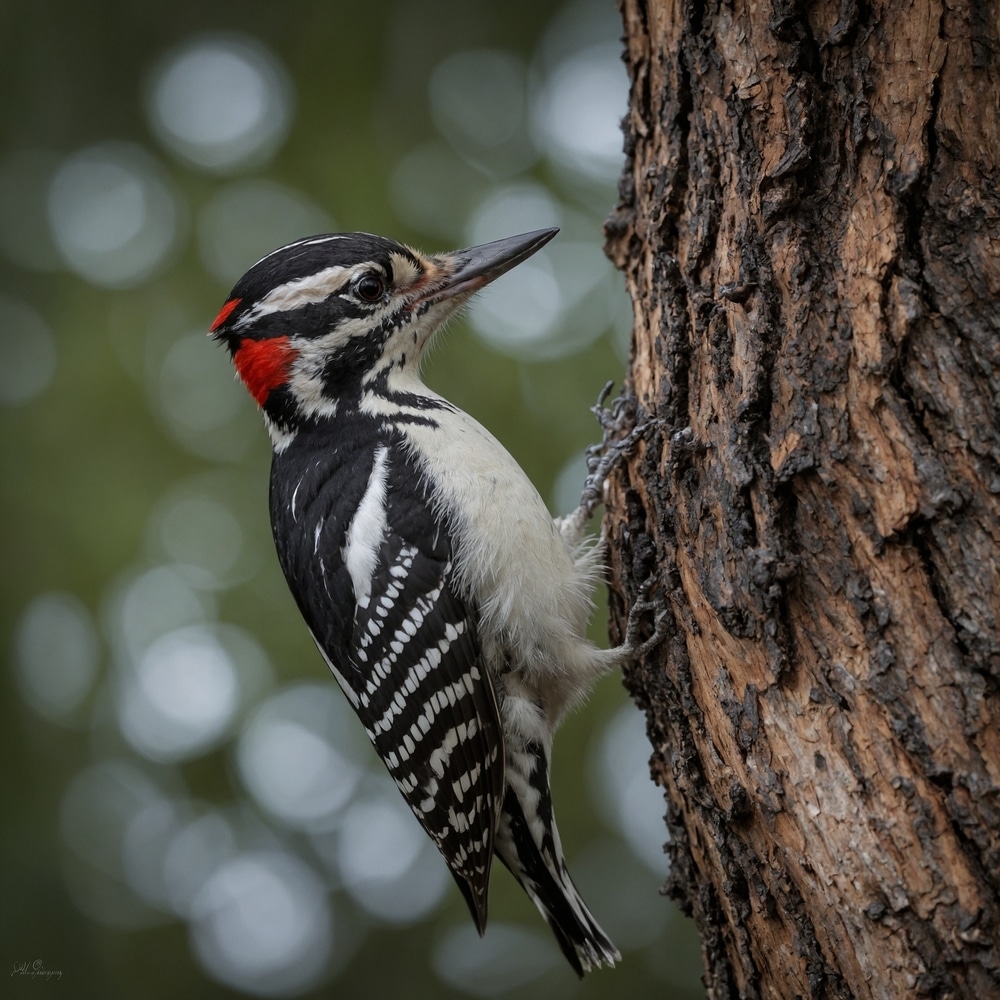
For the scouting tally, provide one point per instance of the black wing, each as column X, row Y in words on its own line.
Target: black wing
column 371, row 569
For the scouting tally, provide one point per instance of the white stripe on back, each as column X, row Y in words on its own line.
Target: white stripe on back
column 366, row 531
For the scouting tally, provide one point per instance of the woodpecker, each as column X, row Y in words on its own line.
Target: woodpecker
column 448, row 604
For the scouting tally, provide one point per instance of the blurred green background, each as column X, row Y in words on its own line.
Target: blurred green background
column 189, row 809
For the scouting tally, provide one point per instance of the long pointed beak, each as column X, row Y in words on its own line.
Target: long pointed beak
column 478, row 266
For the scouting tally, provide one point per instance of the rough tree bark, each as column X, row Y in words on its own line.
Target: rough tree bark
column 810, row 230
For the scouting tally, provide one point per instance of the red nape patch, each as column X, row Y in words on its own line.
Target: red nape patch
column 224, row 314
column 263, row 365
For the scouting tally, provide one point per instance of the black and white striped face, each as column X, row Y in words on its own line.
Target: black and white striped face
column 315, row 315
column 311, row 323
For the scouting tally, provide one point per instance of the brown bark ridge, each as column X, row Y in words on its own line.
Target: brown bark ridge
column 809, row 225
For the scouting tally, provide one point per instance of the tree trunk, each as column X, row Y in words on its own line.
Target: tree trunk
column 809, row 231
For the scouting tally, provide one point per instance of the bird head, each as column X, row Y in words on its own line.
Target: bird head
column 313, row 323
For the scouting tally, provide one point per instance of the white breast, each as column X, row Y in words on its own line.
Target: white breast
column 509, row 556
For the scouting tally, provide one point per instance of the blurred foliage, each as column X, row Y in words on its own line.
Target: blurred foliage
column 135, row 539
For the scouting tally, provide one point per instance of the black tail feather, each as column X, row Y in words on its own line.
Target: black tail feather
column 548, row 883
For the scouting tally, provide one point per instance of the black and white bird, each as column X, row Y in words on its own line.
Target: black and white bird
column 449, row 605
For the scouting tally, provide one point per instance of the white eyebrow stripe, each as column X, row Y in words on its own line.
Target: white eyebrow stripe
column 301, row 292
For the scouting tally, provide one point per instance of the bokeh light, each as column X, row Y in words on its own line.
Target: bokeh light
column 434, row 190
column 301, row 755
column 197, row 530
column 181, row 696
column 222, row 102
column 145, row 604
column 114, row 214
column 630, row 800
column 28, row 351
column 146, row 839
column 515, row 207
column 478, row 100
column 56, row 654
column 263, row 925
column 200, row 844
column 388, row 864
column 576, row 115
column 97, row 810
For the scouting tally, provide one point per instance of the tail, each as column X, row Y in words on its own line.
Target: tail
column 528, row 844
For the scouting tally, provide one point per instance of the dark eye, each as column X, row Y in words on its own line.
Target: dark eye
column 369, row 287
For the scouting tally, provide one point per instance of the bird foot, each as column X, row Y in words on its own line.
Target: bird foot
column 634, row 644
column 603, row 458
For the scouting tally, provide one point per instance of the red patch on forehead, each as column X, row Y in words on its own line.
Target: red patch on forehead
column 263, row 365
column 224, row 314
